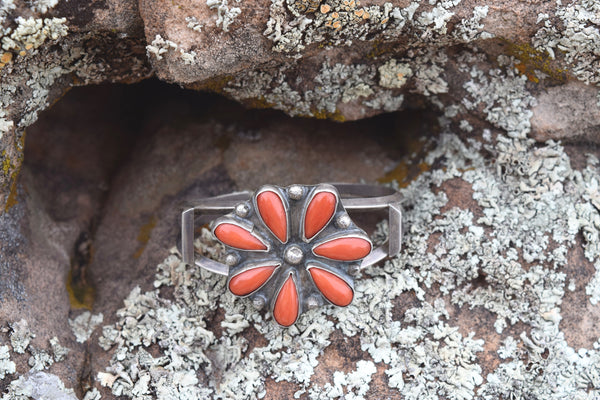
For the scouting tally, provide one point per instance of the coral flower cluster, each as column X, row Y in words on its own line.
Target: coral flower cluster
column 292, row 247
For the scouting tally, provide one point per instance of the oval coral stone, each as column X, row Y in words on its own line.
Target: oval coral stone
column 285, row 311
column 334, row 288
column 272, row 211
column 248, row 281
column 236, row 236
column 344, row 249
column 318, row 213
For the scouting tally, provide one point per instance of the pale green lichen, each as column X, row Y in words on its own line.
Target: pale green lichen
column 471, row 29
column 31, row 33
column 38, row 385
column 226, row 15
column 33, row 383
column 58, row 352
column 504, row 96
column 84, row 324
column 5, row 8
column 393, row 75
column 576, row 38
column 193, row 24
column 159, row 46
column 5, row 124
column 351, row 386
column 20, row 336
column 7, row 366
column 43, row 6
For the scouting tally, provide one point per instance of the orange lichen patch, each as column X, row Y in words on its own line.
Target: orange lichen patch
column 285, row 311
column 22, row 52
column 6, row 57
column 236, row 236
column 334, row 288
column 272, row 211
column 28, row 46
column 144, row 236
column 385, row 21
column 325, row 8
column 337, row 25
column 319, row 213
column 359, row 13
column 335, row 15
column 532, row 60
column 248, row 281
column 344, row 249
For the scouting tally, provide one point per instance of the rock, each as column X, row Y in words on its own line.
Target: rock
column 495, row 293
column 335, row 59
column 569, row 112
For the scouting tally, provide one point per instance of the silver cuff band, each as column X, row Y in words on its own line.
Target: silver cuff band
column 354, row 197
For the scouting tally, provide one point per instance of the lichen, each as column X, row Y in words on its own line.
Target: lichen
column 393, row 75
column 7, row 366
column 38, row 385
column 32, row 383
column 226, row 15
column 20, row 336
column 575, row 38
column 43, row 6
column 84, row 324
column 353, row 385
column 31, row 33
column 160, row 46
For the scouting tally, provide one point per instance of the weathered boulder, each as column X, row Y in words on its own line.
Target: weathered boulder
column 495, row 293
column 336, row 59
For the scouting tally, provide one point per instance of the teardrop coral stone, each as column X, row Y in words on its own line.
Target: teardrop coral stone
column 272, row 211
column 248, row 281
column 344, row 249
column 334, row 288
column 236, row 236
column 318, row 213
column 285, row 311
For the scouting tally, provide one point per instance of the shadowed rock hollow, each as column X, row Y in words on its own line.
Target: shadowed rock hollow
column 459, row 104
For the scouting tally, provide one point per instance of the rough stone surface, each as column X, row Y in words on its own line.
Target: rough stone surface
column 336, row 59
column 496, row 293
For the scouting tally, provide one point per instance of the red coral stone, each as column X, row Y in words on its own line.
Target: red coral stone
column 236, row 236
column 318, row 213
column 285, row 311
column 334, row 288
column 272, row 211
column 344, row 249
column 248, row 281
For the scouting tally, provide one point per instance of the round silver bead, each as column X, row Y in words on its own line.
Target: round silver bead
column 242, row 210
column 259, row 302
column 293, row 255
column 343, row 221
column 231, row 259
column 295, row 192
column 354, row 269
column 312, row 303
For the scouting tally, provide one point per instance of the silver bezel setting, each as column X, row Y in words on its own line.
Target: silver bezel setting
column 274, row 189
column 295, row 199
column 318, row 189
column 249, row 266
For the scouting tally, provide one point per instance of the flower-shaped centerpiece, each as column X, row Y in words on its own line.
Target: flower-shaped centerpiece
column 292, row 248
